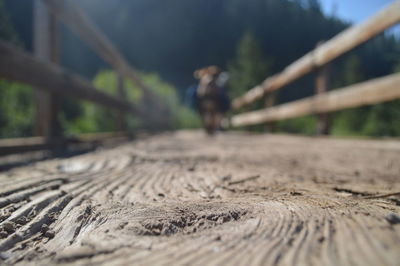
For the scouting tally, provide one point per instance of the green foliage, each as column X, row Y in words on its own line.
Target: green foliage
column 397, row 68
column 383, row 120
column 88, row 117
column 182, row 117
column 377, row 120
column 244, row 35
column 93, row 118
column 16, row 110
column 352, row 71
column 16, row 100
column 249, row 67
column 351, row 121
column 301, row 125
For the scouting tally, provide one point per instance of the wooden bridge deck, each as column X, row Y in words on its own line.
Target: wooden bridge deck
column 183, row 198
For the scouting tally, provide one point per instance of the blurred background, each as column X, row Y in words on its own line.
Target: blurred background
column 168, row 40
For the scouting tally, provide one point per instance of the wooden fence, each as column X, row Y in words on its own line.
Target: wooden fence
column 83, row 141
column 78, row 22
column 42, row 71
column 19, row 66
column 51, row 81
column 370, row 92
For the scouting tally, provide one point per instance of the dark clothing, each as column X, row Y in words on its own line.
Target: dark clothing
column 224, row 102
column 192, row 100
column 191, row 97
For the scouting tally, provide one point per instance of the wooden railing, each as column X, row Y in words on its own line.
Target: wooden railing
column 50, row 81
column 32, row 144
column 78, row 22
column 370, row 92
column 19, row 66
column 42, row 71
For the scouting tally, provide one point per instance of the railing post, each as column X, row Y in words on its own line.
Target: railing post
column 46, row 49
column 269, row 102
column 121, row 120
column 322, row 86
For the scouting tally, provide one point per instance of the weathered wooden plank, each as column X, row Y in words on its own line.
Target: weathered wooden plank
column 45, row 40
column 22, row 145
column 121, row 118
column 187, row 199
column 322, row 83
column 12, row 146
column 370, row 92
column 330, row 50
column 19, row 66
column 269, row 103
column 76, row 19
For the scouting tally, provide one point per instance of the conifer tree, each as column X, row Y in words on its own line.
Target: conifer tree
column 249, row 68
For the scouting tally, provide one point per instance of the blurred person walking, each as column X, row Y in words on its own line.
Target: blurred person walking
column 210, row 97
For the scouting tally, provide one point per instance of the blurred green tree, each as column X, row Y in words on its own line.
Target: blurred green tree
column 351, row 121
column 249, row 67
column 384, row 118
column 93, row 118
column 195, row 33
column 16, row 104
column 16, row 110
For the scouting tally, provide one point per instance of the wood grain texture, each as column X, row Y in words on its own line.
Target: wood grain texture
column 322, row 85
column 187, row 199
column 45, row 44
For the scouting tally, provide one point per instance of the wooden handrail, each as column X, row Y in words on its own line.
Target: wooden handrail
column 325, row 53
column 31, row 144
column 370, row 92
column 77, row 21
column 17, row 65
